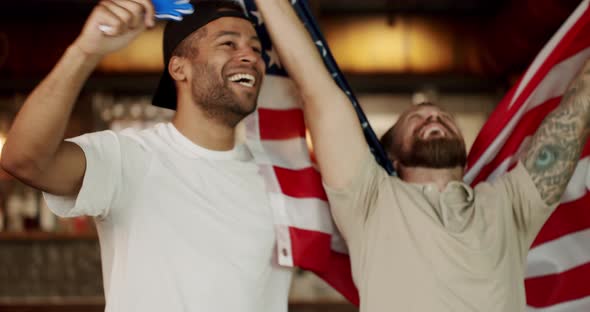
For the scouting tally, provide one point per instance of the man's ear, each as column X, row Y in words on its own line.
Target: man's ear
column 395, row 163
column 177, row 67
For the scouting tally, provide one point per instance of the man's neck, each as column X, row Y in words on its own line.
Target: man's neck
column 438, row 177
column 205, row 132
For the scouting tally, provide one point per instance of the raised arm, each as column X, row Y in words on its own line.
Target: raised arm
column 35, row 152
column 556, row 146
column 339, row 143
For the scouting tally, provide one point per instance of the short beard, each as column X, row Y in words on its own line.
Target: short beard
column 216, row 99
column 438, row 153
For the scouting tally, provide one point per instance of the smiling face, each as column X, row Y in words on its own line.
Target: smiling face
column 426, row 136
column 226, row 69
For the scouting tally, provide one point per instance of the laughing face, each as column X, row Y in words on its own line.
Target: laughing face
column 427, row 136
column 227, row 70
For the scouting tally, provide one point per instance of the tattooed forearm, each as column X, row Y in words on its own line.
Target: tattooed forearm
column 557, row 144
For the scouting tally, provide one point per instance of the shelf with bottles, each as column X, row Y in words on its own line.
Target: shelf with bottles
column 117, row 112
column 25, row 215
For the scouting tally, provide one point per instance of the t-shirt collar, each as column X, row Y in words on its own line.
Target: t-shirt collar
column 190, row 148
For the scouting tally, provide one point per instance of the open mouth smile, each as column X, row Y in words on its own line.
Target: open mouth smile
column 246, row 80
column 433, row 130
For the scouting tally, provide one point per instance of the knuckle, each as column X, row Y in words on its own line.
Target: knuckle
column 136, row 8
column 117, row 24
column 146, row 5
column 127, row 18
column 101, row 7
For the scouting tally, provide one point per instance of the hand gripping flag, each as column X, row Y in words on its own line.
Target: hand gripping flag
column 558, row 272
column 276, row 134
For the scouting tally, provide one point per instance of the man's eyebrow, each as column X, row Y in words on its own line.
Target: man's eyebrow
column 234, row 34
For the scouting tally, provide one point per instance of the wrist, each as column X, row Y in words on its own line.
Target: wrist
column 78, row 52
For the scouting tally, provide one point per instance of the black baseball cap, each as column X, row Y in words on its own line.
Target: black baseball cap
column 176, row 31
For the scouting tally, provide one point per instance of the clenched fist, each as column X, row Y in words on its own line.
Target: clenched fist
column 113, row 24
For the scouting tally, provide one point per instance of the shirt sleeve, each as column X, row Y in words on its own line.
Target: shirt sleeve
column 529, row 210
column 352, row 205
column 101, row 178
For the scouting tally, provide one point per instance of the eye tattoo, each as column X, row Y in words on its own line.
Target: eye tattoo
column 547, row 157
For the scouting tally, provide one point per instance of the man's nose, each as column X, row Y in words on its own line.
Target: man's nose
column 432, row 117
column 249, row 56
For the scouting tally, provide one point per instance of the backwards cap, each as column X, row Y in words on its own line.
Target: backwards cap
column 176, row 32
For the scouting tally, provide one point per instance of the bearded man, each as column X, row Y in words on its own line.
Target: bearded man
column 424, row 240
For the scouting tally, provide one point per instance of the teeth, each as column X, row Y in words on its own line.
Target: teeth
column 247, row 84
column 246, row 80
column 433, row 130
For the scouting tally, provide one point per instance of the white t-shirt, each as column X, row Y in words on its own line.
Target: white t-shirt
column 181, row 228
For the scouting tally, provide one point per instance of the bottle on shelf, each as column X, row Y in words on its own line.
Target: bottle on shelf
column 30, row 209
column 14, row 210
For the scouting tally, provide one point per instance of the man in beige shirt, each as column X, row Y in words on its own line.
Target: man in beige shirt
column 436, row 244
column 425, row 241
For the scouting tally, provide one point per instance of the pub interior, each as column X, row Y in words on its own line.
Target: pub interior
column 462, row 54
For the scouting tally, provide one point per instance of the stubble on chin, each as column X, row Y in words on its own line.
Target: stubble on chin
column 218, row 100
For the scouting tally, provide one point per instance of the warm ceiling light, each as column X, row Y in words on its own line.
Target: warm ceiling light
column 366, row 44
column 371, row 44
column 144, row 54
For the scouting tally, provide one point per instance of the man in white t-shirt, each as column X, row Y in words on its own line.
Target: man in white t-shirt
column 182, row 214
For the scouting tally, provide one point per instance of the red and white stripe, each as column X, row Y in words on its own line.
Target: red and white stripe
column 306, row 235
column 559, row 261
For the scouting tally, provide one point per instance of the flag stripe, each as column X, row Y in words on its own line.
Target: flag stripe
column 551, row 54
column 333, row 267
column 281, row 124
column 309, row 214
column 580, row 182
column 502, row 122
column 290, row 154
column 304, row 183
column 560, row 255
column 309, row 257
column 339, row 276
column 527, row 126
column 268, row 174
column 556, row 288
column 581, row 42
column 568, row 218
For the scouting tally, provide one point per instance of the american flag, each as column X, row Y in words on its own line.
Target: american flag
column 559, row 261
column 558, row 272
column 276, row 134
